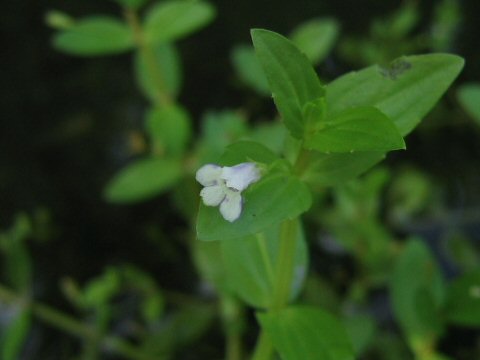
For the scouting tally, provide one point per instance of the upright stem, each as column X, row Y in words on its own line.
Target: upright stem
column 148, row 55
column 74, row 327
column 283, row 283
column 232, row 315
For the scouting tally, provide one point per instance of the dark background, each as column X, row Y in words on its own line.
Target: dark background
column 65, row 125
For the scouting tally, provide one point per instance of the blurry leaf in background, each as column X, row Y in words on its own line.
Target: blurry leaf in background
column 409, row 194
column 303, row 332
column 469, row 97
column 143, row 179
column 463, row 300
column 316, row 38
column 251, row 264
column 248, row 69
column 220, row 129
column 169, row 128
column 133, row 4
column 210, row 263
column 356, row 129
column 361, row 330
column 418, row 293
column 292, row 79
column 461, row 251
column 13, row 337
column 180, row 329
column 59, row 20
column 271, row 134
column 16, row 264
column 171, row 20
column 100, row 35
column 274, row 198
column 446, row 23
column 334, row 169
column 405, row 91
column 167, row 74
column 101, row 289
column 399, row 24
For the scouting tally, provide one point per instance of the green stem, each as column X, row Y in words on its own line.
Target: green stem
column 282, row 285
column 148, row 54
column 74, row 327
column 232, row 315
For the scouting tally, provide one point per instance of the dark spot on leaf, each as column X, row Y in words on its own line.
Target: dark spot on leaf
column 395, row 69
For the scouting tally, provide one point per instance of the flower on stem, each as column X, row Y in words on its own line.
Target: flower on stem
column 224, row 185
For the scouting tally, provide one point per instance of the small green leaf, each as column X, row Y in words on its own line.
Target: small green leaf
column 463, row 300
column 274, row 198
column 248, row 69
column 469, row 97
column 303, row 332
column 142, row 180
column 247, row 151
column 251, row 262
column 405, row 92
column 417, row 292
column 361, row 330
column 166, row 74
column 292, row 79
column 335, row 169
column 170, row 129
column 13, row 338
column 316, row 38
column 358, row 129
column 94, row 36
column 170, row 20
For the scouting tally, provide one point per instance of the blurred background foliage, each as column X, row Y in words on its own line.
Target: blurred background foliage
column 70, row 124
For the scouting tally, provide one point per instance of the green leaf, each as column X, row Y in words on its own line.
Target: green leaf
column 417, row 292
column 335, row 169
column 164, row 72
column 273, row 199
column 303, row 332
column 361, row 330
column 142, row 180
column 251, row 262
column 292, row 79
column 247, row 151
column 220, row 129
column 169, row 128
column 248, row 69
column 170, row 20
column 14, row 337
column 357, row 129
column 469, row 97
column 316, row 38
column 405, row 91
column 94, row 36
column 463, row 300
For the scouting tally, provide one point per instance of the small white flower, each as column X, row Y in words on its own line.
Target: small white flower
column 224, row 185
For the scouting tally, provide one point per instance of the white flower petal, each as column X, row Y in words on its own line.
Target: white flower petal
column 240, row 176
column 209, row 174
column 212, row 195
column 231, row 206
